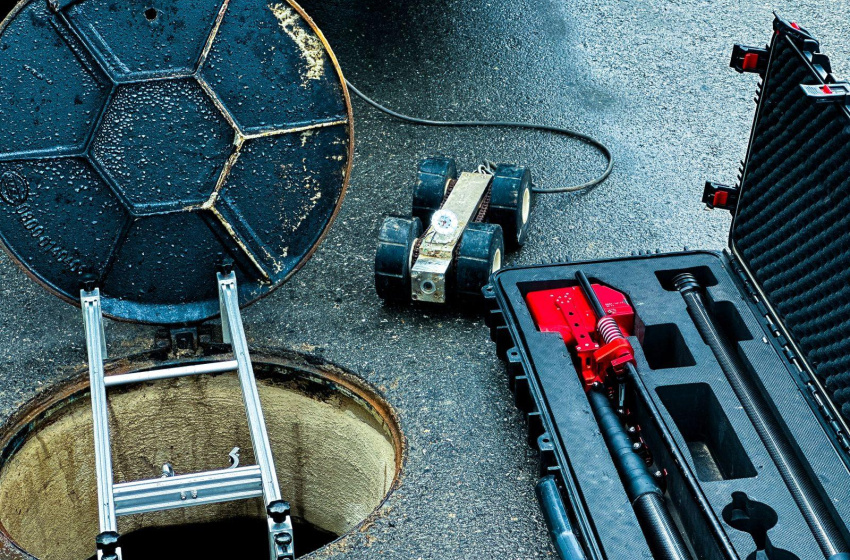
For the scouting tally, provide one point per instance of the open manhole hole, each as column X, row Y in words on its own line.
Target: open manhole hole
column 337, row 448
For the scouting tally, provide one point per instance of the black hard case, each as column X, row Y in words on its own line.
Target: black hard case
column 780, row 292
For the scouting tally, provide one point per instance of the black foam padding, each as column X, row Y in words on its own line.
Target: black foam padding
column 683, row 391
column 792, row 227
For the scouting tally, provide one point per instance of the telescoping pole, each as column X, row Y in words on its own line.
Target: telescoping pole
column 803, row 489
column 666, row 435
column 647, row 499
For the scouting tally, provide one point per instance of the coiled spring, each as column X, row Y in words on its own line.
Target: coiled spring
column 609, row 330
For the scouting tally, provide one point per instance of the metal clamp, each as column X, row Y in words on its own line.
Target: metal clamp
column 749, row 59
column 838, row 92
column 725, row 197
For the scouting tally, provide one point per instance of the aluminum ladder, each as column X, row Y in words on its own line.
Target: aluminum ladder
column 178, row 491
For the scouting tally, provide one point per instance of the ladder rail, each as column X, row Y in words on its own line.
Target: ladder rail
column 223, row 485
column 256, row 423
column 95, row 342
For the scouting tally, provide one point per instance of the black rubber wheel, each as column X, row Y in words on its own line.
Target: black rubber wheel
column 430, row 189
column 479, row 254
column 392, row 259
column 511, row 202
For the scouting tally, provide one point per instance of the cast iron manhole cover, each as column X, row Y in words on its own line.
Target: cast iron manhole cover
column 149, row 141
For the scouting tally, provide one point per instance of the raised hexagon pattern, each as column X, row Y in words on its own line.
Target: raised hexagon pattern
column 141, row 38
column 163, row 144
column 119, row 145
column 274, row 202
column 51, row 98
column 60, row 219
column 262, row 89
column 163, row 259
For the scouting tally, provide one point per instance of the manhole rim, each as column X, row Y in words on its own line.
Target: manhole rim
column 34, row 412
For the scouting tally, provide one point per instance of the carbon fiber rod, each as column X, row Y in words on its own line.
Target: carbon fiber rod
column 646, row 497
column 666, row 435
column 679, row 459
column 803, row 489
column 664, row 540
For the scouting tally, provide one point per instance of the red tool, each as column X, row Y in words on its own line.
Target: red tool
column 595, row 320
column 567, row 312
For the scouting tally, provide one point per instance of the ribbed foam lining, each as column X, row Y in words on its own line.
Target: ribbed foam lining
column 793, row 222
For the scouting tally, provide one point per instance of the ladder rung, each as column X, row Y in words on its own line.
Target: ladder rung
column 185, row 490
column 169, row 373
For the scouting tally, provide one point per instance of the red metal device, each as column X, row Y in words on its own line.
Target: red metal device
column 594, row 321
column 566, row 311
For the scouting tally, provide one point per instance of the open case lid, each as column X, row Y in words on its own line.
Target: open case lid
column 791, row 227
column 146, row 142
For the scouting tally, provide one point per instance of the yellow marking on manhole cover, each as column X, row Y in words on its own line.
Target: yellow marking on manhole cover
column 311, row 47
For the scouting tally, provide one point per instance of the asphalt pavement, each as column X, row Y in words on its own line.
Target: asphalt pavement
column 650, row 78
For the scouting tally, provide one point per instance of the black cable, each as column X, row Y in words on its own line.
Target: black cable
column 508, row 124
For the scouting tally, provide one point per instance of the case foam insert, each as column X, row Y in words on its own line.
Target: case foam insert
column 692, row 375
column 792, row 228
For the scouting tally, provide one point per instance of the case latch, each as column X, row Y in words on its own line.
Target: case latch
column 749, row 59
column 801, row 35
column 838, row 92
column 720, row 196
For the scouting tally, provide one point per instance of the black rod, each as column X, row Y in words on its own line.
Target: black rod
column 646, row 497
column 557, row 521
column 802, row 487
column 684, row 467
column 590, row 295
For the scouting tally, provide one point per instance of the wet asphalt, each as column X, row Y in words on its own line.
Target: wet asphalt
column 650, row 78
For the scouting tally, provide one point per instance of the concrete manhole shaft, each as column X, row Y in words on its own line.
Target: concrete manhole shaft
column 336, row 443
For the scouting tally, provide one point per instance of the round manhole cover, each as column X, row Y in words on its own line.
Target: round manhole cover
column 148, row 142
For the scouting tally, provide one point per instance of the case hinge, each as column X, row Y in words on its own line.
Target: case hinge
column 838, row 92
column 745, row 280
column 815, row 392
column 829, row 418
column 750, row 59
column 720, row 196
